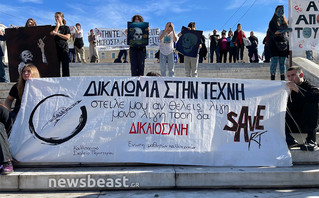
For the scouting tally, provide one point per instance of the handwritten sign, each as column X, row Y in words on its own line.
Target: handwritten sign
column 116, row 39
column 304, row 20
column 214, row 122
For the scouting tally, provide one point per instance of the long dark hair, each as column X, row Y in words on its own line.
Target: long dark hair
column 275, row 17
column 192, row 25
column 139, row 17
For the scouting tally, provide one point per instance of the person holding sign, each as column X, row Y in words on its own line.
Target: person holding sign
column 27, row 72
column 137, row 52
column 189, row 44
column 30, row 23
column 167, row 39
column 302, row 109
column 62, row 34
column 278, row 43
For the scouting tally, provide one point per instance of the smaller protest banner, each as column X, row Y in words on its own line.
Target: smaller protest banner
column 138, row 33
column 188, row 43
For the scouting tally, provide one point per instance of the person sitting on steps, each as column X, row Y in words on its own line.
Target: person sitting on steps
column 302, row 109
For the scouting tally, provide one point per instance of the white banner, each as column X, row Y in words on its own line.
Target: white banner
column 214, row 122
column 304, row 21
column 116, row 39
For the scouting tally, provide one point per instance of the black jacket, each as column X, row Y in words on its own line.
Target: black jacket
column 277, row 38
column 214, row 41
column 254, row 42
column 307, row 94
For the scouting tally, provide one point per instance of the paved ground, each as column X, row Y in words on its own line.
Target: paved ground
column 201, row 193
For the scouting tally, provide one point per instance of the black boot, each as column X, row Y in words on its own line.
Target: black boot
column 282, row 76
column 272, row 77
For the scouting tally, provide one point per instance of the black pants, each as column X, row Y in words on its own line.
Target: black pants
column 267, row 54
column 302, row 122
column 240, row 51
column 137, row 58
column 222, row 55
column 122, row 53
column 253, row 52
column 63, row 57
column 216, row 50
column 181, row 58
column 232, row 54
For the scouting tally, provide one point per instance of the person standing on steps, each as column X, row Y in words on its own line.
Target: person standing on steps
column 214, row 48
column 79, row 44
column 231, row 47
column 253, row 48
column 94, row 55
column 239, row 34
column 137, row 54
column 61, row 33
column 278, row 42
column 167, row 38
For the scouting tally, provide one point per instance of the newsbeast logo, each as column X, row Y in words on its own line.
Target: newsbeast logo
column 57, row 116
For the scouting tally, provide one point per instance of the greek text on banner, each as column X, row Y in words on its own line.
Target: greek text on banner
column 214, row 122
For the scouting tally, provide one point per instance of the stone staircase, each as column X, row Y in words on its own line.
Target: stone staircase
column 61, row 177
column 205, row 70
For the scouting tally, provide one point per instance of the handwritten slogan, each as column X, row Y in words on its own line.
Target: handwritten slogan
column 214, row 122
column 116, row 39
column 304, row 20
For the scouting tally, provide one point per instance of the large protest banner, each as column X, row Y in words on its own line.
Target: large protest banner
column 304, row 21
column 214, row 122
column 116, row 39
column 32, row 45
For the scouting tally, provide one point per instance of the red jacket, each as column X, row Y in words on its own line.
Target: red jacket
column 240, row 36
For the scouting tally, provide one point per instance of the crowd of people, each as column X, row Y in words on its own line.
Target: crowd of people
column 302, row 108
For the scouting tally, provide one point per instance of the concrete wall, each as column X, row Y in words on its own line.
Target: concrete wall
column 310, row 69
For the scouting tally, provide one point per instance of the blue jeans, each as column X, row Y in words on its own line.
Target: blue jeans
column 273, row 66
column 72, row 55
column 170, row 64
column 216, row 50
column 3, row 76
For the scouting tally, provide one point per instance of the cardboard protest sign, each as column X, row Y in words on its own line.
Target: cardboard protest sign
column 304, row 21
column 188, row 43
column 138, row 34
